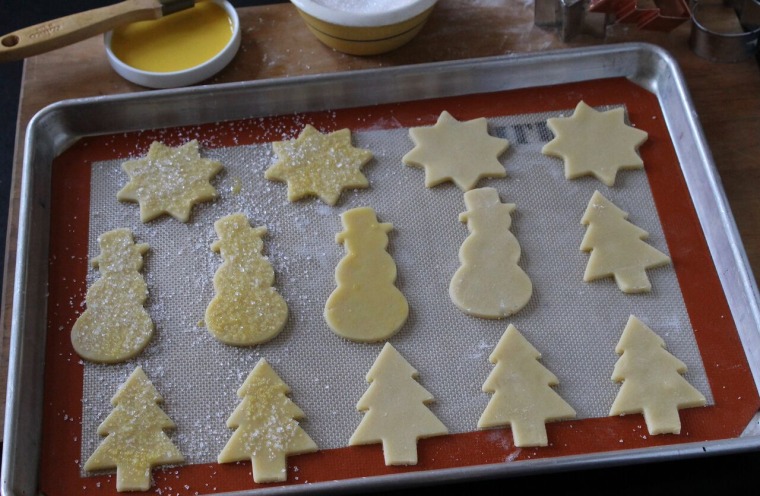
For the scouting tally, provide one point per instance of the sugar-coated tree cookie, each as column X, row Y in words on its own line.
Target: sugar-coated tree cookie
column 523, row 397
column 246, row 309
column 136, row 441
column 366, row 305
column 617, row 247
column 266, row 426
column 653, row 382
column 396, row 412
column 489, row 283
column 461, row 152
column 169, row 180
column 115, row 326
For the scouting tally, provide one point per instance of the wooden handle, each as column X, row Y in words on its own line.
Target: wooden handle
column 57, row 33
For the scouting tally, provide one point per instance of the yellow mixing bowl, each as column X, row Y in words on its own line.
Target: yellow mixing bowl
column 364, row 28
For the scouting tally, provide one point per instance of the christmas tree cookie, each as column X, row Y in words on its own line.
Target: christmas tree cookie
column 595, row 143
column 169, row 181
column 523, row 397
column 246, row 309
column 365, row 306
column 135, row 439
column 617, row 247
column 653, row 382
column 461, row 152
column 115, row 326
column 316, row 164
column 489, row 283
column 396, row 412
column 266, row 426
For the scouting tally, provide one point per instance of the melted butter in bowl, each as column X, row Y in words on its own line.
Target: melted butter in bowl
column 176, row 42
column 180, row 49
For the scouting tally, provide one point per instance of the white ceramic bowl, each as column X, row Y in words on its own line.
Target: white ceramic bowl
column 185, row 77
column 364, row 28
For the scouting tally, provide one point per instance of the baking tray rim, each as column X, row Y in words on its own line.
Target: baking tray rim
column 56, row 127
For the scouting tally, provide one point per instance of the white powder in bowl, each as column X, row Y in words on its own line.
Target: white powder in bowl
column 364, row 6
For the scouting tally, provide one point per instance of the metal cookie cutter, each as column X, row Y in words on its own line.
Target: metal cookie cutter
column 725, row 43
column 572, row 17
column 593, row 16
column 655, row 15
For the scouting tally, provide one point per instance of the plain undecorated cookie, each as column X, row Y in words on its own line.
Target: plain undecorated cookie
column 395, row 410
column 366, row 306
column 652, row 380
column 617, row 247
column 523, row 397
column 595, row 143
column 489, row 283
column 460, row 152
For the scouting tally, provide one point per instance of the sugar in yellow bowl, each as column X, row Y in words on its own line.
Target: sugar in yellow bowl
column 178, row 49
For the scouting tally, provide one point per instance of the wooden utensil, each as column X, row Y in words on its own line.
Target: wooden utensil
column 57, row 33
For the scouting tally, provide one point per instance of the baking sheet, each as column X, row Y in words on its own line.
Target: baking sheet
column 746, row 295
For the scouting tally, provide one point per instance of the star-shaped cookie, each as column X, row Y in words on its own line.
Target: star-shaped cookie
column 461, row 152
column 169, row 181
column 595, row 143
column 316, row 164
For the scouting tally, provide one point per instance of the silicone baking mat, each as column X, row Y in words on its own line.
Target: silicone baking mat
column 575, row 325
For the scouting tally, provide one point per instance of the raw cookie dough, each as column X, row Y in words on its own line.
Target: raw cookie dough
column 395, row 410
column 652, row 380
column 522, row 393
column 365, row 306
column 266, row 426
column 115, row 326
column 461, row 152
column 319, row 164
column 136, row 441
column 595, row 143
column 246, row 309
column 617, row 247
column 169, row 181
column 489, row 283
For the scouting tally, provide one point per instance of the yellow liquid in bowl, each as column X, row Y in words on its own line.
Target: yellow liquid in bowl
column 176, row 42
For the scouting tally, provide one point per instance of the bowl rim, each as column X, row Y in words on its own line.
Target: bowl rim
column 184, row 77
column 392, row 15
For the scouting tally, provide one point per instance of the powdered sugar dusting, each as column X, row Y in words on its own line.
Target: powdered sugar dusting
column 364, row 6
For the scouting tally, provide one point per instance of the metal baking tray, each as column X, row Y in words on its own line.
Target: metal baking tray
column 58, row 126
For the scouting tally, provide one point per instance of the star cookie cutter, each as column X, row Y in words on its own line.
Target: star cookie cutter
column 655, row 15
